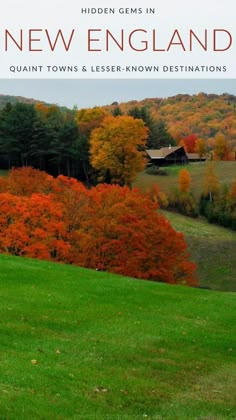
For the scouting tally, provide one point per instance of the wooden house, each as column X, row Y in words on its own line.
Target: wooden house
column 194, row 157
column 168, row 155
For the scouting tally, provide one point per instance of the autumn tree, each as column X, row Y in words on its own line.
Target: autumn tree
column 117, row 149
column 200, row 147
column 211, row 183
column 108, row 227
column 158, row 196
column 181, row 199
column 221, row 209
column 189, row 143
column 32, row 226
column 26, row 181
column 123, row 233
column 87, row 120
column 184, row 180
column 90, row 118
column 221, row 149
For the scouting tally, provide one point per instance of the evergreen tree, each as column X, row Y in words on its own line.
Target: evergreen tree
column 158, row 135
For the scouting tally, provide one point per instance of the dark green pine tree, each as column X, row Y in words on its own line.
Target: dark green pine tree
column 39, row 145
column 69, row 141
column 116, row 111
column 158, row 134
column 7, row 144
column 55, row 124
column 16, row 128
column 162, row 137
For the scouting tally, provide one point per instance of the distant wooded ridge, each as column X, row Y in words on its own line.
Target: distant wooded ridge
column 147, row 101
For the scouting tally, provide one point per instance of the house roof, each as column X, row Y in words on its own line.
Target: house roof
column 195, row 156
column 163, row 152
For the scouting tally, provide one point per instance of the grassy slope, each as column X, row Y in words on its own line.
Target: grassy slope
column 212, row 248
column 108, row 347
column 226, row 171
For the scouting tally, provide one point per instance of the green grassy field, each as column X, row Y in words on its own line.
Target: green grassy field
column 3, row 173
column 81, row 344
column 212, row 248
column 226, row 172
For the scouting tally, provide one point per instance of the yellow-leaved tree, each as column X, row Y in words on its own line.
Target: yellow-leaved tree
column 211, row 183
column 200, row 147
column 117, row 149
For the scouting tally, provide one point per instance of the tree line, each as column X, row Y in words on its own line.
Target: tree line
column 92, row 144
column 43, row 137
column 217, row 202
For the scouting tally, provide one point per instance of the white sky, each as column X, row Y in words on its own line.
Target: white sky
column 90, row 93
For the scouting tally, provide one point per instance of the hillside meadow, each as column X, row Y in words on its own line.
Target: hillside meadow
column 81, row 344
column 225, row 171
column 212, row 248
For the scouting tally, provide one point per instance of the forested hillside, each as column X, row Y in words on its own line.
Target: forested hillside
column 209, row 117
column 4, row 99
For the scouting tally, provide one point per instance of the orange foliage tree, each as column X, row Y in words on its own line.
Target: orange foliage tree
column 184, row 180
column 125, row 234
column 108, row 228
column 32, row 226
column 25, row 181
column 90, row 118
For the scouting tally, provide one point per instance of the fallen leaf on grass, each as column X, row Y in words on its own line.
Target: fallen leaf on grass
column 124, row 392
column 100, row 389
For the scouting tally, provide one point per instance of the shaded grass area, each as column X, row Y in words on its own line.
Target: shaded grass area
column 226, row 172
column 81, row 344
column 3, row 173
column 212, row 248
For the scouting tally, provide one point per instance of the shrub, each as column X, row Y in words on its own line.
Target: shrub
column 183, row 202
column 155, row 170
